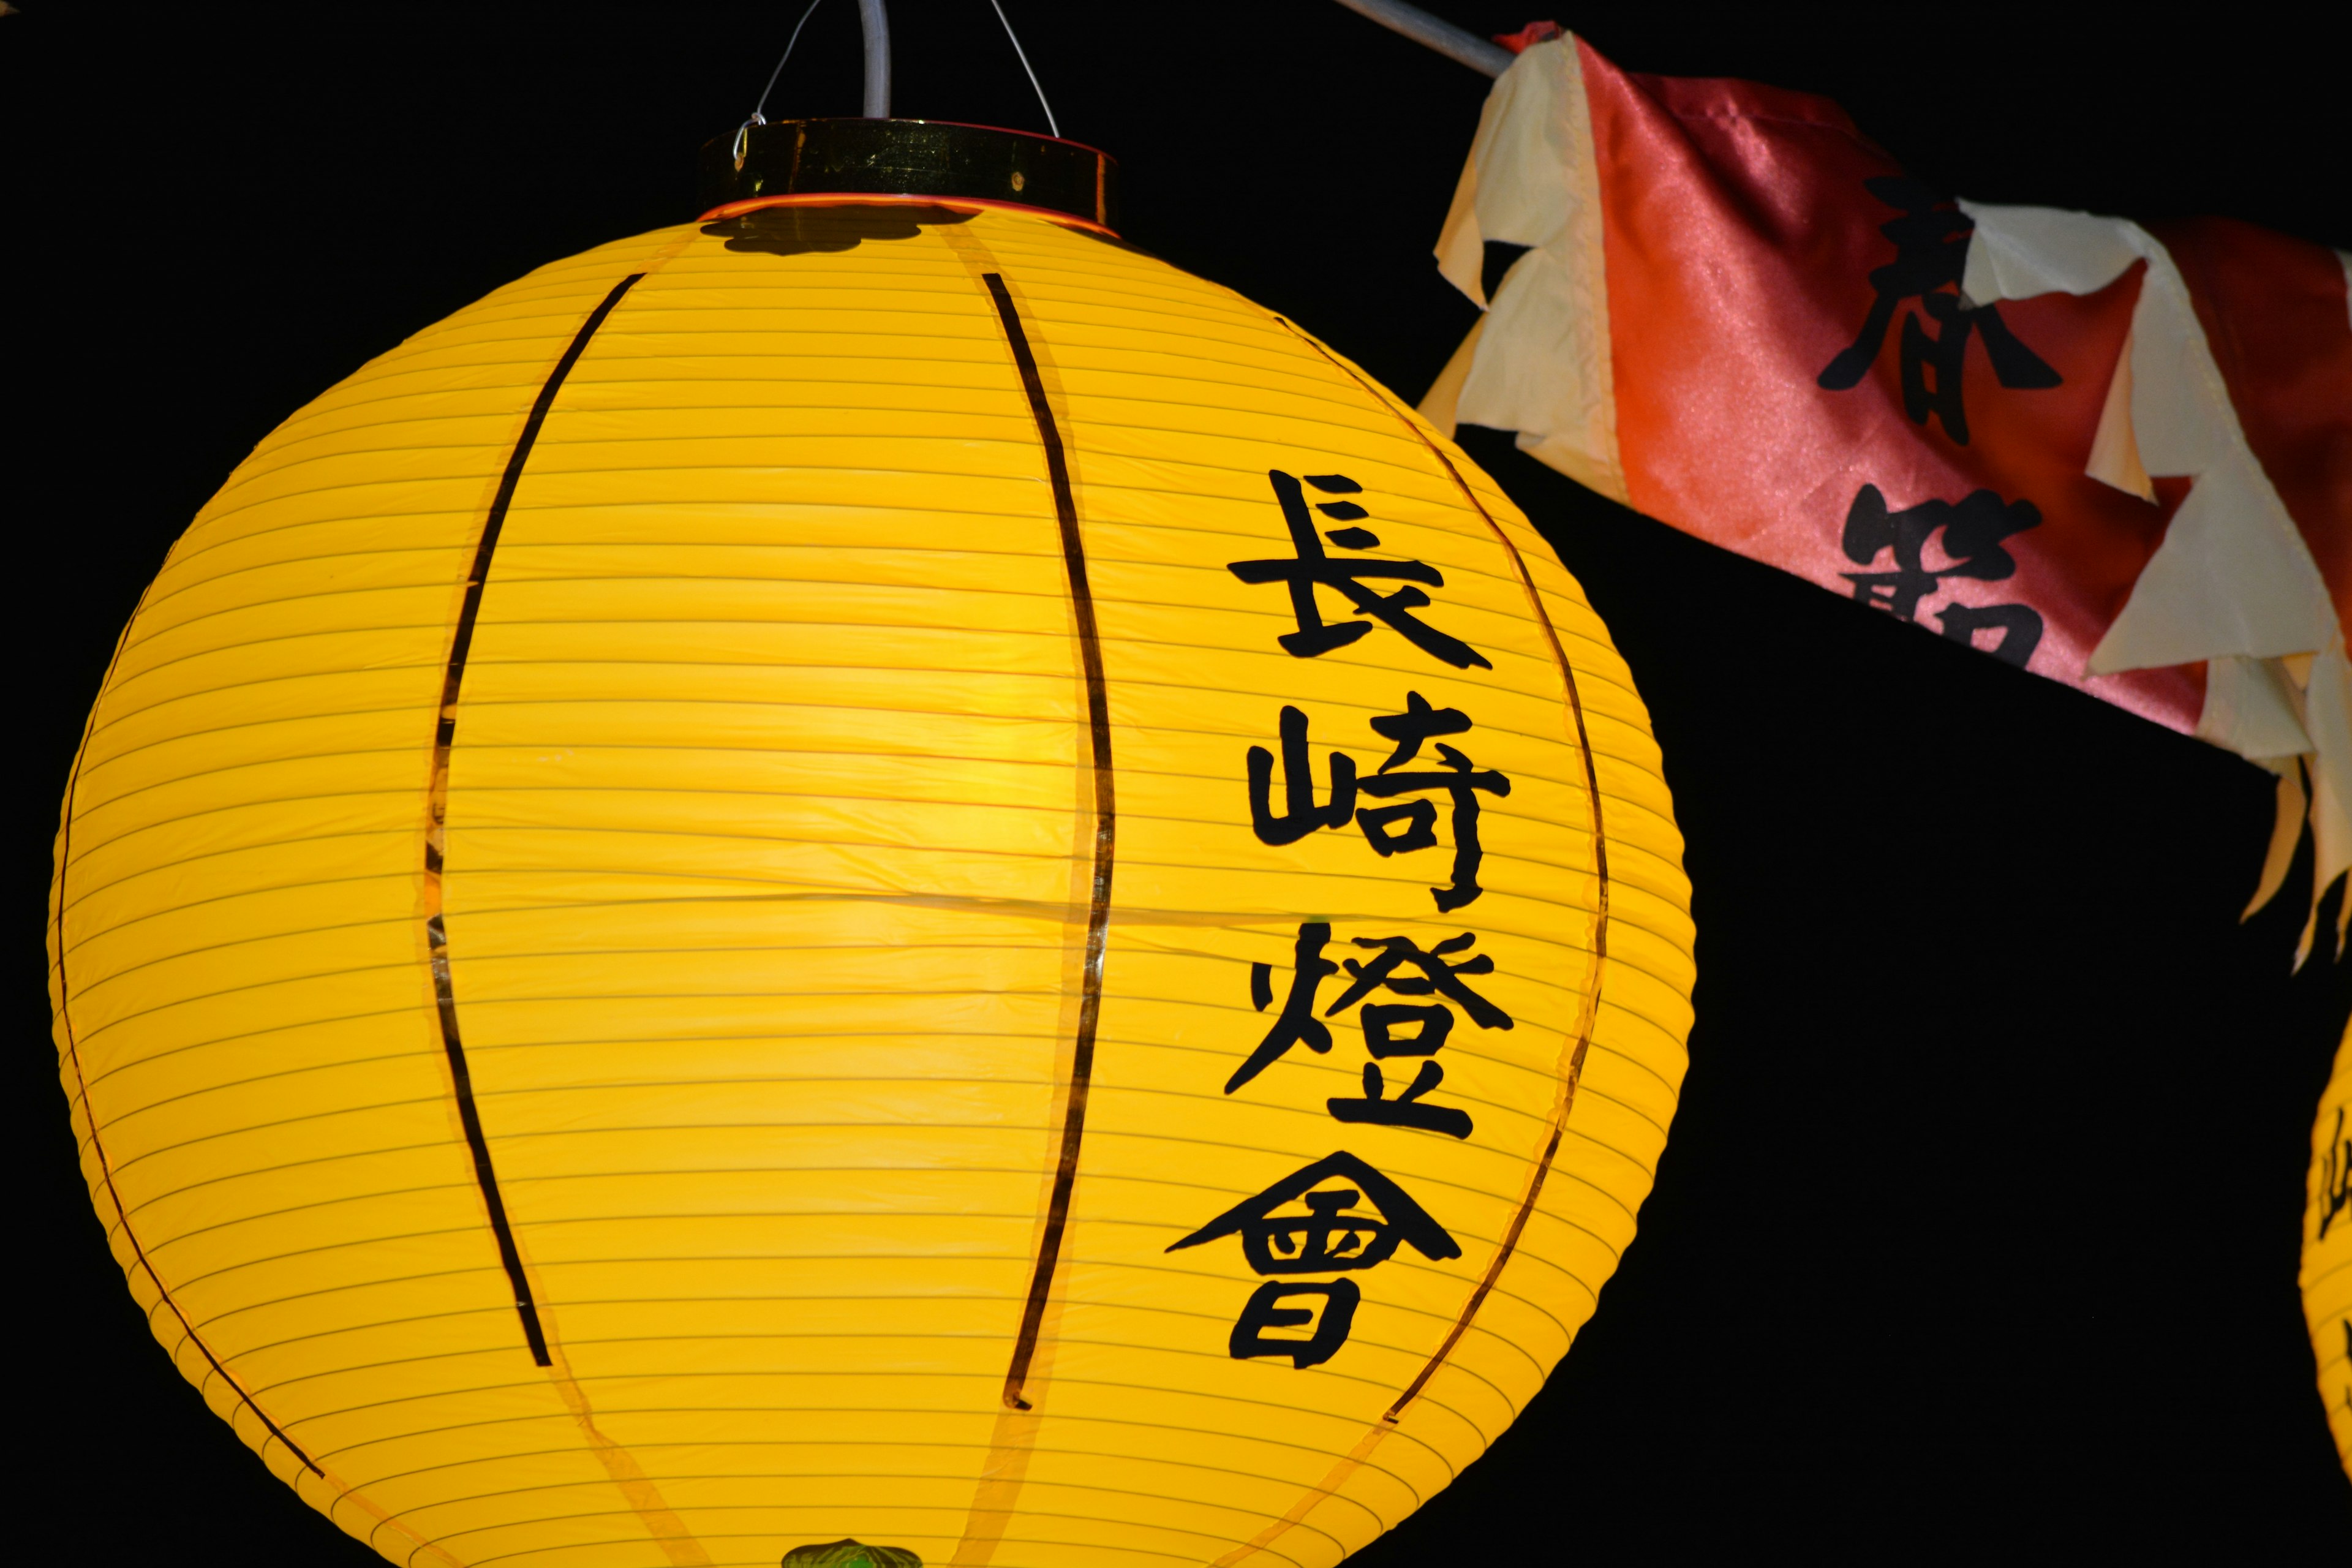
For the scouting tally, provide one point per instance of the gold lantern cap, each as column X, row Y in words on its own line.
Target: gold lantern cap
column 811, row 162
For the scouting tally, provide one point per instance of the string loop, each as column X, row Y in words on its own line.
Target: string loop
column 1022, row 54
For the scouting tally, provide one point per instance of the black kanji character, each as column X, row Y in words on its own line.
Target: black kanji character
column 1380, row 1019
column 1405, row 1110
column 1300, row 816
column 1431, row 1022
column 1401, row 828
column 1931, row 250
column 1418, row 723
column 1438, row 976
column 1973, row 530
column 1330, row 1236
column 1265, row 1310
column 1296, row 1024
column 1312, row 567
column 2020, row 626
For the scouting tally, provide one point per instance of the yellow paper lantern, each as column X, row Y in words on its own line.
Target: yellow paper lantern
column 867, row 872
column 2327, row 1250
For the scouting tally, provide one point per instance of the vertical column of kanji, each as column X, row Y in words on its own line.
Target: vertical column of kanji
column 1416, row 982
column 1479, row 774
column 1403, row 791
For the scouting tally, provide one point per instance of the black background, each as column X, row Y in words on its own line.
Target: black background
column 1978, row 1231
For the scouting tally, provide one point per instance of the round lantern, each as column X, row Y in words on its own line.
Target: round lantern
column 871, row 879
column 2328, row 1251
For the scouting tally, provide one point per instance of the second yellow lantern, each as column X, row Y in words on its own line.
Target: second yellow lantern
column 2328, row 1251
column 868, row 869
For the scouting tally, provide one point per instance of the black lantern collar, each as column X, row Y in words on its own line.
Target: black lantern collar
column 797, row 162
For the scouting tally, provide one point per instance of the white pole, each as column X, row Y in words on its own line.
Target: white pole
column 1447, row 40
column 876, row 23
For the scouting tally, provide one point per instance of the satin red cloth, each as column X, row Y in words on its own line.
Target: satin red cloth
column 2275, row 316
column 1790, row 341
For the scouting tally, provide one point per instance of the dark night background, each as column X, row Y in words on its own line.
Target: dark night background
column 1978, row 1231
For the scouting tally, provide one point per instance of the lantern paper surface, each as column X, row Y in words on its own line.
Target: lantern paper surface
column 2328, row 1251
column 866, row 872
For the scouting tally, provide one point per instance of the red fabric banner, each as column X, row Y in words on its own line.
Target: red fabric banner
column 2117, row 458
column 1798, row 378
column 2276, row 317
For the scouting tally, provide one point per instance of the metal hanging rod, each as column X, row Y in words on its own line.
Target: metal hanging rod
column 1453, row 42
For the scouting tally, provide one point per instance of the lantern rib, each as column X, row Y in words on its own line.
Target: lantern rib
column 1082, row 1052
column 436, row 934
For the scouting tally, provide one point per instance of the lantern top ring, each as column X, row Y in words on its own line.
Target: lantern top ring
column 798, row 161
